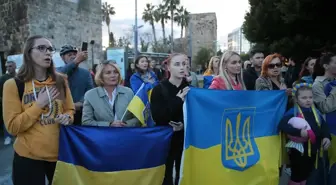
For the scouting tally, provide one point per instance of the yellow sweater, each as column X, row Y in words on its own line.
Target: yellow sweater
column 36, row 138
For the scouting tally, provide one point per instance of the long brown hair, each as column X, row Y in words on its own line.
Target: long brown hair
column 26, row 71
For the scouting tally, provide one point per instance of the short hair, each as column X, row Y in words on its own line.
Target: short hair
column 99, row 73
column 254, row 51
column 318, row 68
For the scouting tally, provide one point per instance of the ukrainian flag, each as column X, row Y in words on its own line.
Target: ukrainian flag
column 331, row 121
column 207, row 81
column 231, row 137
column 140, row 105
column 112, row 156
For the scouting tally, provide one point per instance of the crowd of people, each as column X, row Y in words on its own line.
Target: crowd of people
column 39, row 98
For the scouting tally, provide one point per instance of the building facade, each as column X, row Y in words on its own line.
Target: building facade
column 237, row 41
column 61, row 21
column 201, row 32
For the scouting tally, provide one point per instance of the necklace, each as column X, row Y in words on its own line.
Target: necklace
column 48, row 93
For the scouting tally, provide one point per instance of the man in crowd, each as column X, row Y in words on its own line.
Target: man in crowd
column 252, row 73
column 80, row 79
column 10, row 67
column 292, row 73
column 159, row 72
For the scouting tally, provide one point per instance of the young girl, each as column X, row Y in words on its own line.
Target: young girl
column 166, row 107
column 35, row 103
column 302, row 164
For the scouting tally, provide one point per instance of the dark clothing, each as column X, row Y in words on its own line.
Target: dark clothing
column 129, row 73
column 3, row 79
column 78, row 117
column 292, row 75
column 166, row 107
column 23, row 174
column 250, row 76
column 275, row 87
column 160, row 73
column 320, row 132
column 301, row 165
column 174, row 156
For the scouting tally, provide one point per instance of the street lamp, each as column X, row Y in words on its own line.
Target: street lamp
column 135, row 30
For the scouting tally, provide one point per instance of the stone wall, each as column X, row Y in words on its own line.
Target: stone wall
column 202, row 31
column 14, row 29
column 180, row 45
column 62, row 21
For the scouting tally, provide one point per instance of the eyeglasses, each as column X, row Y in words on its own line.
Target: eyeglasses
column 44, row 48
column 109, row 62
column 272, row 66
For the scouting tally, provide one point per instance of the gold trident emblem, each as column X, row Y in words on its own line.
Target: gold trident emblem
column 240, row 148
column 146, row 112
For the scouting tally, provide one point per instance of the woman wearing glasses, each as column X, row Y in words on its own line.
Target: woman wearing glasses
column 143, row 74
column 270, row 78
column 106, row 104
column 35, row 103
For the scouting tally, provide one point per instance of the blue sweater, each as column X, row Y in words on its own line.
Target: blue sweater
column 80, row 80
column 136, row 81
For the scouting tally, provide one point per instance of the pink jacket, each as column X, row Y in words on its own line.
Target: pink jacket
column 218, row 83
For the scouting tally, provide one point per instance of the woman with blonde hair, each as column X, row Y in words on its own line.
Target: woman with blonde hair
column 213, row 67
column 106, row 104
column 230, row 73
column 212, row 71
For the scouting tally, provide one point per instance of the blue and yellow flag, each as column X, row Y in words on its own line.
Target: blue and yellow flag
column 232, row 138
column 207, row 80
column 102, row 156
column 331, row 121
column 140, row 105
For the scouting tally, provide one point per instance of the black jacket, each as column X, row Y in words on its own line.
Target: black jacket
column 250, row 76
column 166, row 106
column 292, row 75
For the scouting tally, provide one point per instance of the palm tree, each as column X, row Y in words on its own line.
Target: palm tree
column 182, row 18
column 172, row 7
column 148, row 16
column 161, row 15
column 107, row 11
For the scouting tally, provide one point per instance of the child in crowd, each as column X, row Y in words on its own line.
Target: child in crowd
column 304, row 162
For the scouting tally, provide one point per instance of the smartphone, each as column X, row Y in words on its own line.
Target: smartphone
column 84, row 46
